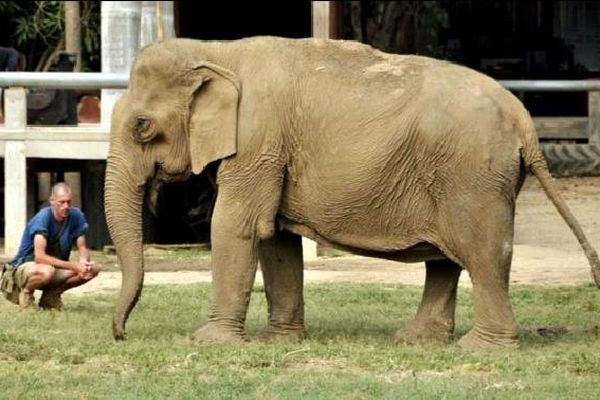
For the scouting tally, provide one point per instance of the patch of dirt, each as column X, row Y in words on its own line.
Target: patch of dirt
column 545, row 252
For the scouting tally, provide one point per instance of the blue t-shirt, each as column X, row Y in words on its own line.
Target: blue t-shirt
column 44, row 223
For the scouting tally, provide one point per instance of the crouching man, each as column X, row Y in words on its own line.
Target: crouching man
column 42, row 262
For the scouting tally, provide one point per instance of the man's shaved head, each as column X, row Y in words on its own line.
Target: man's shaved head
column 59, row 189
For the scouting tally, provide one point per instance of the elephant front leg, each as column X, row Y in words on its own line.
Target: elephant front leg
column 283, row 274
column 435, row 317
column 234, row 261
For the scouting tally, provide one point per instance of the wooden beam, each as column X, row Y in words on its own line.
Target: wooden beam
column 54, row 133
column 335, row 20
column 70, row 142
column 594, row 117
column 66, row 149
column 557, row 128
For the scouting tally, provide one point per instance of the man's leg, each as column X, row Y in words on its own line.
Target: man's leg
column 61, row 281
column 29, row 277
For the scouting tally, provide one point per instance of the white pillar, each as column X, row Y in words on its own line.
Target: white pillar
column 15, row 196
column 15, row 109
column 73, row 179
column 120, row 32
column 15, row 177
column 321, row 11
column 157, row 23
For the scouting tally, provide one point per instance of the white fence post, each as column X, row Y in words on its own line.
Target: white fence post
column 15, row 177
column 309, row 249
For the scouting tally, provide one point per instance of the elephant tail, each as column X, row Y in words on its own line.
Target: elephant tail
column 535, row 161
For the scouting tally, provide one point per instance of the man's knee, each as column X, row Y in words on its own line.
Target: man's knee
column 22, row 273
column 44, row 273
column 41, row 273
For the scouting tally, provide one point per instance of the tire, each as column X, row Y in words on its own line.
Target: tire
column 572, row 159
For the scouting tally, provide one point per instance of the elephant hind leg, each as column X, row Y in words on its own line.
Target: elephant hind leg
column 482, row 234
column 283, row 274
column 495, row 324
column 435, row 316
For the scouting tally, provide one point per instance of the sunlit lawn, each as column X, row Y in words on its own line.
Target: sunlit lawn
column 350, row 353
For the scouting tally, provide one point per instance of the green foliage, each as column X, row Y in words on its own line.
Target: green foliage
column 90, row 41
column 38, row 30
column 349, row 353
column 46, row 23
column 9, row 7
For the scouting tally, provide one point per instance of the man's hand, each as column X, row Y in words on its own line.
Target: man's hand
column 87, row 269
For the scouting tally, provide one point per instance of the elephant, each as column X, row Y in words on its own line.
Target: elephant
column 402, row 157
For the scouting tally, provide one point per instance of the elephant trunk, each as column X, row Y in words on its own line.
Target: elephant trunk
column 123, row 199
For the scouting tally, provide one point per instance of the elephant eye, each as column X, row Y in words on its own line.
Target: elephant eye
column 141, row 124
column 143, row 129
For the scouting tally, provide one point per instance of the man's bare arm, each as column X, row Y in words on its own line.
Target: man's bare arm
column 84, row 252
column 40, row 243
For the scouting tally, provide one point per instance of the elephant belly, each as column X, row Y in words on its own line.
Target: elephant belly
column 369, row 247
column 359, row 218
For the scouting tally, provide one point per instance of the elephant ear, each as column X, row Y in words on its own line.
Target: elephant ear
column 213, row 115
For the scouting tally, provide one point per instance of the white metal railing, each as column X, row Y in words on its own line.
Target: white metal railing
column 65, row 80
column 551, row 85
column 112, row 80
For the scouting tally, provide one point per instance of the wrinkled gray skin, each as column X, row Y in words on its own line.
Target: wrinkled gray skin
column 400, row 157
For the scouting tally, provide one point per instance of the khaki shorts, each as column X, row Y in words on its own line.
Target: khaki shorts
column 21, row 275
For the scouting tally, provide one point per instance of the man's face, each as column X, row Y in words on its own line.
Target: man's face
column 61, row 205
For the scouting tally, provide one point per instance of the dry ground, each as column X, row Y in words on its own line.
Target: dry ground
column 545, row 253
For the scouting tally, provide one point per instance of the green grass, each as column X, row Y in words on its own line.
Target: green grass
column 177, row 253
column 349, row 354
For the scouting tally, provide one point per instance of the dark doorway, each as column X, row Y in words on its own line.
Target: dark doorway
column 235, row 20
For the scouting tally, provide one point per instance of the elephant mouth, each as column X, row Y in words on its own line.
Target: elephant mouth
column 156, row 183
column 169, row 177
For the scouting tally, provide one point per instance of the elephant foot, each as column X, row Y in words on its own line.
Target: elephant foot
column 428, row 333
column 215, row 333
column 477, row 340
column 275, row 334
column 118, row 329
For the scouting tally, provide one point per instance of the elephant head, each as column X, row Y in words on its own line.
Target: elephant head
column 178, row 114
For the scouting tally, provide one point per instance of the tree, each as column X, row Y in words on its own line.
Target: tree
column 73, row 30
column 39, row 31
